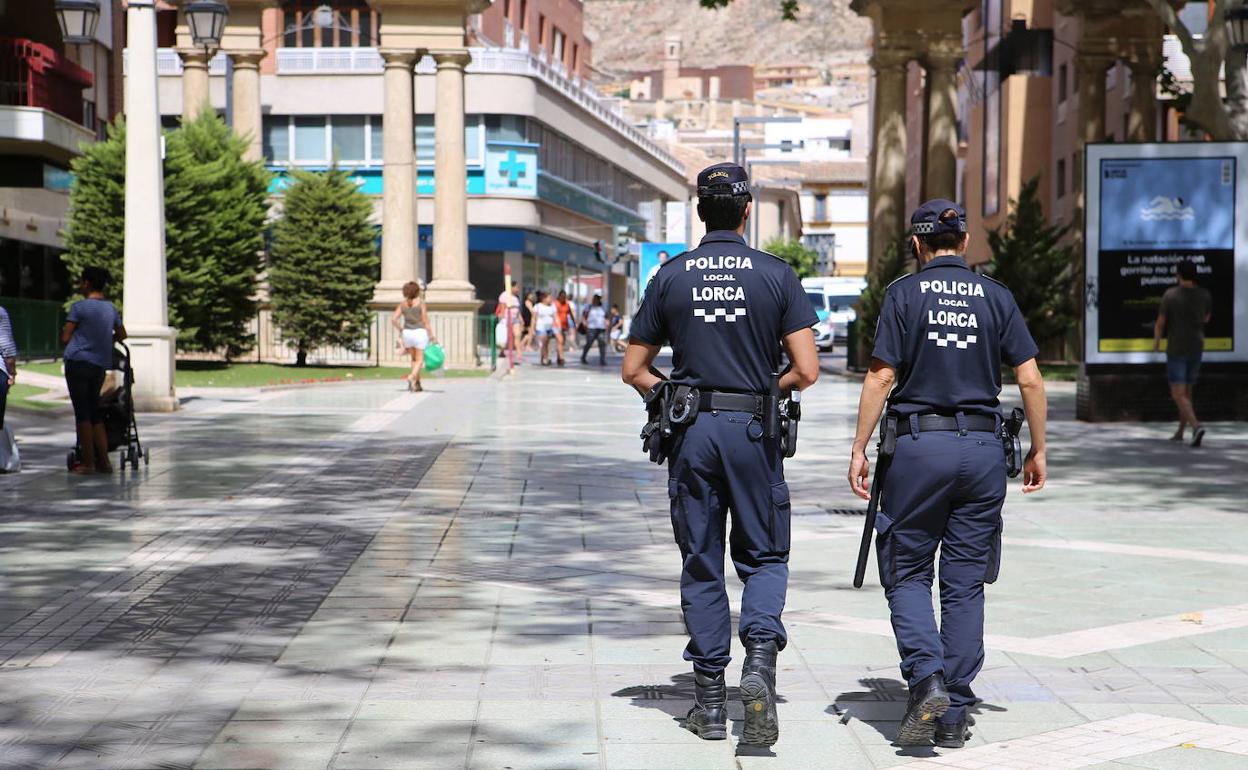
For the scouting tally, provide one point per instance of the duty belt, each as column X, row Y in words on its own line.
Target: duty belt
column 716, row 401
column 931, row 422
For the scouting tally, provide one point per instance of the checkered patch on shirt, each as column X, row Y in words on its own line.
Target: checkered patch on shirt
column 943, row 340
column 713, row 315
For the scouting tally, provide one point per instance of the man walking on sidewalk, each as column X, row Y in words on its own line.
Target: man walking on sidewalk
column 1185, row 309
column 595, row 320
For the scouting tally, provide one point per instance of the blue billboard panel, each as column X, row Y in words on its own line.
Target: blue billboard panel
column 1168, row 203
column 653, row 255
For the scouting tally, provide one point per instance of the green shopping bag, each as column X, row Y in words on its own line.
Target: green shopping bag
column 435, row 356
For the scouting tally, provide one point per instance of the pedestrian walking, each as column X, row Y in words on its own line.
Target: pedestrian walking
column 563, row 324
column 595, row 320
column 726, row 310
column 92, row 327
column 619, row 334
column 935, row 373
column 544, row 314
column 411, row 319
column 8, row 361
column 508, row 312
column 1185, row 309
column 526, row 320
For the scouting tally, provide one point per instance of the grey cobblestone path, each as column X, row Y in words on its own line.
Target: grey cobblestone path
column 484, row 576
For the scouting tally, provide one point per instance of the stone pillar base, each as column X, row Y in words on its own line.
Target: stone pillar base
column 449, row 291
column 152, row 356
column 455, row 326
column 388, row 294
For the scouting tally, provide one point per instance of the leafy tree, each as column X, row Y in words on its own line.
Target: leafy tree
column 894, row 264
column 215, row 208
column 1204, row 107
column 323, row 262
column 803, row 260
column 1031, row 257
column 96, row 231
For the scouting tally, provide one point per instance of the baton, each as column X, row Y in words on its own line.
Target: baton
column 868, row 526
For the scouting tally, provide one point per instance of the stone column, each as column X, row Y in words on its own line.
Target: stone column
column 145, row 295
column 450, row 196
column 195, row 94
column 1142, row 117
column 888, row 168
column 942, row 122
column 452, row 298
column 247, row 110
column 1092, row 68
column 398, row 215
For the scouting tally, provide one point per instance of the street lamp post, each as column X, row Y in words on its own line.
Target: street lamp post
column 145, row 300
column 78, row 19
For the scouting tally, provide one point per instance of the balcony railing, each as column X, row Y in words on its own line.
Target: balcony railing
column 328, row 60
column 33, row 75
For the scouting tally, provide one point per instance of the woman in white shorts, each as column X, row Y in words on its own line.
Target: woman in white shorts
column 544, row 325
column 411, row 319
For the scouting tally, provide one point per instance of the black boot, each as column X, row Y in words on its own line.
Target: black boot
column 952, row 735
column 928, row 702
column 758, row 694
column 708, row 719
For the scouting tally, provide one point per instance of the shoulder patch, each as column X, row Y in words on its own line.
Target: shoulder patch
column 995, row 280
column 898, row 280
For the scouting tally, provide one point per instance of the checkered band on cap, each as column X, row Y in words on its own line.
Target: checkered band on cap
column 736, row 188
column 953, row 225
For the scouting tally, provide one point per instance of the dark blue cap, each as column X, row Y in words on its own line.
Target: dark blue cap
column 723, row 179
column 927, row 219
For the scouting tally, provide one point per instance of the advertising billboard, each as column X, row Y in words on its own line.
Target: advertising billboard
column 653, row 255
column 1150, row 207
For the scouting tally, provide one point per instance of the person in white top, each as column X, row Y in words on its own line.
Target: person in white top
column 411, row 320
column 595, row 319
column 544, row 324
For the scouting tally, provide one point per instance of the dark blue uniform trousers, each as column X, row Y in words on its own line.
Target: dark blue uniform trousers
column 716, row 468
column 946, row 490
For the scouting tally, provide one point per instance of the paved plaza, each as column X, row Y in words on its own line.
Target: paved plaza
column 484, row 576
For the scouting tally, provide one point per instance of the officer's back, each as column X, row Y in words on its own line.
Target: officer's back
column 723, row 307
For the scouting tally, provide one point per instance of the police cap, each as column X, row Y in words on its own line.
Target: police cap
column 928, row 219
column 723, row 179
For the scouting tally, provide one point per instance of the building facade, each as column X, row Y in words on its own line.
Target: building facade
column 548, row 167
column 54, row 98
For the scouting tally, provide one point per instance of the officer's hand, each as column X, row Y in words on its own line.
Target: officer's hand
column 1034, row 472
column 859, row 472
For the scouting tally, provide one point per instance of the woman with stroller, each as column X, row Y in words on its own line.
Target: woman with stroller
column 411, row 319
column 92, row 327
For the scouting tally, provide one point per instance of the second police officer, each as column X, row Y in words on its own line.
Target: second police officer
column 942, row 338
column 727, row 310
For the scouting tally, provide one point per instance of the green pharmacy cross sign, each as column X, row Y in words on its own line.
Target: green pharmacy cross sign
column 511, row 169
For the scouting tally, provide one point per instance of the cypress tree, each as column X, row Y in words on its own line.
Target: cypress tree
column 324, row 263
column 215, row 208
column 95, row 235
column 1031, row 257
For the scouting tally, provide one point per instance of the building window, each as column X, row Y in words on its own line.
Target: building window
column 575, row 63
column 505, row 128
column 354, row 24
column 556, row 48
column 821, row 207
column 1061, row 178
column 524, row 15
column 314, row 140
column 507, row 9
column 541, row 30
column 350, row 134
column 1062, row 75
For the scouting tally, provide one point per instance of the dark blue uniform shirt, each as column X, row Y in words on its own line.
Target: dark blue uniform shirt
column 946, row 330
column 723, row 307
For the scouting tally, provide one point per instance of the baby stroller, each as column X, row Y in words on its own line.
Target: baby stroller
column 117, row 410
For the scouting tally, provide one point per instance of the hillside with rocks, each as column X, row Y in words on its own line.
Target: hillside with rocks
column 628, row 34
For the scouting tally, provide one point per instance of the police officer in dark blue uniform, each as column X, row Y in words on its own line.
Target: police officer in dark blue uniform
column 943, row 335
column 727, row 311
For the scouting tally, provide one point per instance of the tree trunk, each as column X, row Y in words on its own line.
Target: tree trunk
column 301, row 358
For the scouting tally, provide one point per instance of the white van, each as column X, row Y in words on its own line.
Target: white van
column 833, row 300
